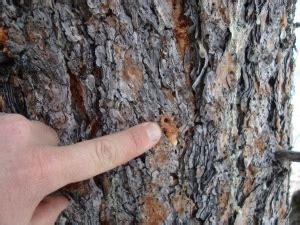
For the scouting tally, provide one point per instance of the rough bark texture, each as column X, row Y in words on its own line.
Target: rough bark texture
column 90, row 68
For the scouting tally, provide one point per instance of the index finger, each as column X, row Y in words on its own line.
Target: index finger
column 73, row 163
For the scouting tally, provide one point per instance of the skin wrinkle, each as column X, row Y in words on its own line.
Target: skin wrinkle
column 105, row 152
column 135, row 139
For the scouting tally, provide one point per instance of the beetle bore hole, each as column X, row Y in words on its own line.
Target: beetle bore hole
column 167, row 120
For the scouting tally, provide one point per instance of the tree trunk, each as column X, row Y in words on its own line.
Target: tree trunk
column 216, row 75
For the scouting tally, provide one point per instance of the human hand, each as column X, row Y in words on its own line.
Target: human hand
column 33, row 166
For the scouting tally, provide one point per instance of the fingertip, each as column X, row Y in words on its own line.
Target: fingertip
column 153, row 132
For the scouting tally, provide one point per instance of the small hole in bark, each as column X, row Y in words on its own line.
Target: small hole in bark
column 175, row 176
column 169, row 127
column 98, row 181
column 272, row 81
column 271, row 111
column 186, row 133
column 143, row 159
column 167, row 120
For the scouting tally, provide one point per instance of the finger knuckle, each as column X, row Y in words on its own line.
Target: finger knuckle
column 48, row 130
column 136, row 142
column 17, row 119
column 104, row 150
column 19, row 124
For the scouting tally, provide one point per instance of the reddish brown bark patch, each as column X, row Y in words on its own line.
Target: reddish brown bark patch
column 119, row 51
column 226, row 69
column 250, row 176
column 182, row 204
column 248, row 185
column 260, row 145
column 170, row 95
column 284, row 21
column 282, row 212
column 3, row 35
column 181, row 24
column 169, row 127
column 78, row 95
column 94, row 128
column 132, row 74
column 223, row 200
column 154, row 211
column 160, row 157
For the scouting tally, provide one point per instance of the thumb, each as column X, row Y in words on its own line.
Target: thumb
column 49, row 209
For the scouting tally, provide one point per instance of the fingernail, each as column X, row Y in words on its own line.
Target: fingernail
column 153, row 131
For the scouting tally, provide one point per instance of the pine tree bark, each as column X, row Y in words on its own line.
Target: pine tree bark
column 216, row 75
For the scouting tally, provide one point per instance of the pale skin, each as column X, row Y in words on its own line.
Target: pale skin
column 33, row 165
